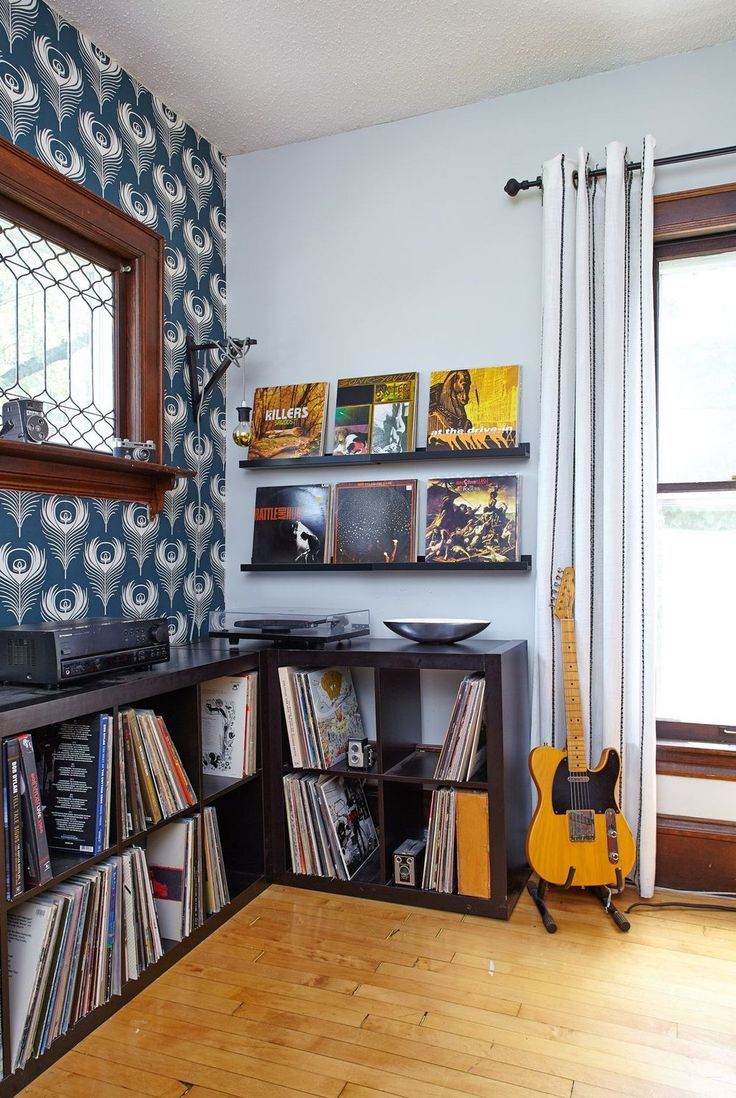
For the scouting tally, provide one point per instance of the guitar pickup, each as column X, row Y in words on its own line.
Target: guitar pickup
column 581, row 825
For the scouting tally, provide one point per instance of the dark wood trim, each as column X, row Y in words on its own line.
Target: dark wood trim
column 696, row 733
column 686, row 761
column 695, row 213
column 699, row 855
column 34, row 195
column 72, row 471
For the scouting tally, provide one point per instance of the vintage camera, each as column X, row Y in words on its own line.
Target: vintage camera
column 133, row 451
column 361, row 754
column 409, row 863
column 24, row 421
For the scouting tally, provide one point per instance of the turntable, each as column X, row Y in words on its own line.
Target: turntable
column 298, row 628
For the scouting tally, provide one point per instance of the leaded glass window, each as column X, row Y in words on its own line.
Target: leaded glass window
column 57, row 335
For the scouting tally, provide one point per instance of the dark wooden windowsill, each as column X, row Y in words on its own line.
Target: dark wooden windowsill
column 704, row 761
column 69, row 470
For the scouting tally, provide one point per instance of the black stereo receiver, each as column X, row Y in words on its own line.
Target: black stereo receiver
column 58, row 652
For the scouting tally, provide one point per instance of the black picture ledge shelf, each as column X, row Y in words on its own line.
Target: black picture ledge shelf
column 336, row 460
column 523, row 565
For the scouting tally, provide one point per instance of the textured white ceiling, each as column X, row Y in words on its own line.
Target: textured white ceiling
column 250, row 74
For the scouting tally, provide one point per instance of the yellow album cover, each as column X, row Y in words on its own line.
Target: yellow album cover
column 473, row 409
column 289, row 420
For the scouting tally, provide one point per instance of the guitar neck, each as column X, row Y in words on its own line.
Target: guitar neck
column 577, row 759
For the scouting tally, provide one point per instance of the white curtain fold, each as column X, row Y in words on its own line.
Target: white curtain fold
column 597, row 468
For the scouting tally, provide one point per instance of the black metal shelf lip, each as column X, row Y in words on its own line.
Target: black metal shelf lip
column 221, row 786
column 523, row 565
column 316, row 461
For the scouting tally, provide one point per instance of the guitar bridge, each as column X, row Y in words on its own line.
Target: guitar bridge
column 581, row 825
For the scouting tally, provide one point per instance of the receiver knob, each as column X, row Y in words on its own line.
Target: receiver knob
column 159, row 633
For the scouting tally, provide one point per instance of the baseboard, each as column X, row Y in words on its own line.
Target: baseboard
column 696, row 854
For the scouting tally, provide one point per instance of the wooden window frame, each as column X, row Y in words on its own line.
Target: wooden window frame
column 41, row 199
column 696, row 222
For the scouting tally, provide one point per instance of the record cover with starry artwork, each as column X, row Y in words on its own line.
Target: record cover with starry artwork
column 472, row 518
column 473, row 409
column 374, row 522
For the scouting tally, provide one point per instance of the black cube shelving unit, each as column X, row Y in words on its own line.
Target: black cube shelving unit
column 402, row 776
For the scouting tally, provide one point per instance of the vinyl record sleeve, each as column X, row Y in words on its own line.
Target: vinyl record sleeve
column 473, row 409
column 375, row 522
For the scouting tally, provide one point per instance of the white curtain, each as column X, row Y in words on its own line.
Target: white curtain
column 597, row 468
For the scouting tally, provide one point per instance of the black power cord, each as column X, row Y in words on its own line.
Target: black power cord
column 676, row 903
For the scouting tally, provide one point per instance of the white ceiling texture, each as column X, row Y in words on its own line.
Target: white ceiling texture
column 251, row 74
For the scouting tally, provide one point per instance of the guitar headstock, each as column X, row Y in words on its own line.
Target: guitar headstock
column 563, row 593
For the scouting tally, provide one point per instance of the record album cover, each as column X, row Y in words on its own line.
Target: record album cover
column 291, row 524
column 375, row 522
column 289, row 420
column 375, row 414
column 472, row 518
column 475, row 409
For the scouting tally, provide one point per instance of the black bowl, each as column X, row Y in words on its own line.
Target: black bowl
column 436, row 630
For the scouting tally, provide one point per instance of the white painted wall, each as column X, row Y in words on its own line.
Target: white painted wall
column 395, row 248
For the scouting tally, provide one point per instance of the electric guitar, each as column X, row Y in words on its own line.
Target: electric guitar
column 578, row 834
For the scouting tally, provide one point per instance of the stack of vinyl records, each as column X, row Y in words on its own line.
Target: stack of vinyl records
column 216, row 894
column 321, row 712
column 439, row 860
column 173, row 863
column 154, row 783
column 461, row 756
column 229, row 725
column 331, row 831
column 71, row 948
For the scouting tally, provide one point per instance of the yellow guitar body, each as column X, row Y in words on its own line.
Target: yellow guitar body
column 550, row 850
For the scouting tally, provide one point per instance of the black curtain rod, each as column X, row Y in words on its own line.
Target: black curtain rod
column 513, row 186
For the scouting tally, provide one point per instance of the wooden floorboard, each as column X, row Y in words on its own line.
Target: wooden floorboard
column 306, row 993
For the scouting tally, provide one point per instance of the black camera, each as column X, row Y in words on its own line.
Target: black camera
column 24, row 421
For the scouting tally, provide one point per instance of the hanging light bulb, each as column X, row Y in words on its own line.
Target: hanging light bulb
column 242, row 434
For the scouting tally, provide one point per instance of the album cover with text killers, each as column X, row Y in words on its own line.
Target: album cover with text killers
column 289, row 420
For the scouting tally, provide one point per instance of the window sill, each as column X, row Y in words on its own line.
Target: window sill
column 69, row 470
column 687, row 760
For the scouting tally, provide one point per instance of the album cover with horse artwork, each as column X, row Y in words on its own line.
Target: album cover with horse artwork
column 291, row 524
column 472, row 518
column 475, row 409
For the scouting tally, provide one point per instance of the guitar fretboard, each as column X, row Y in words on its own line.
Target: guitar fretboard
column 577, row 759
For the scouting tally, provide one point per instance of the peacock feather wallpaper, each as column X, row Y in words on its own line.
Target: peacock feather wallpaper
column 62, row 99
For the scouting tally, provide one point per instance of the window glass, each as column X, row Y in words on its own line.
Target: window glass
column 696, row 588
column 697, row 368
column 57, row 336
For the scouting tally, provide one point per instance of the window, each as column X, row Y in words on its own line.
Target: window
column 57, row 335
column 695, row 282
column 81, row 328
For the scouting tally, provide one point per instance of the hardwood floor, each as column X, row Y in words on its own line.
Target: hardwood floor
column 308, row 994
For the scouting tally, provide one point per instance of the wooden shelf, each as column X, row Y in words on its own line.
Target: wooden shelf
column 523, row 565
column 335, row 461
column 66, row 470
column 215, row 786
